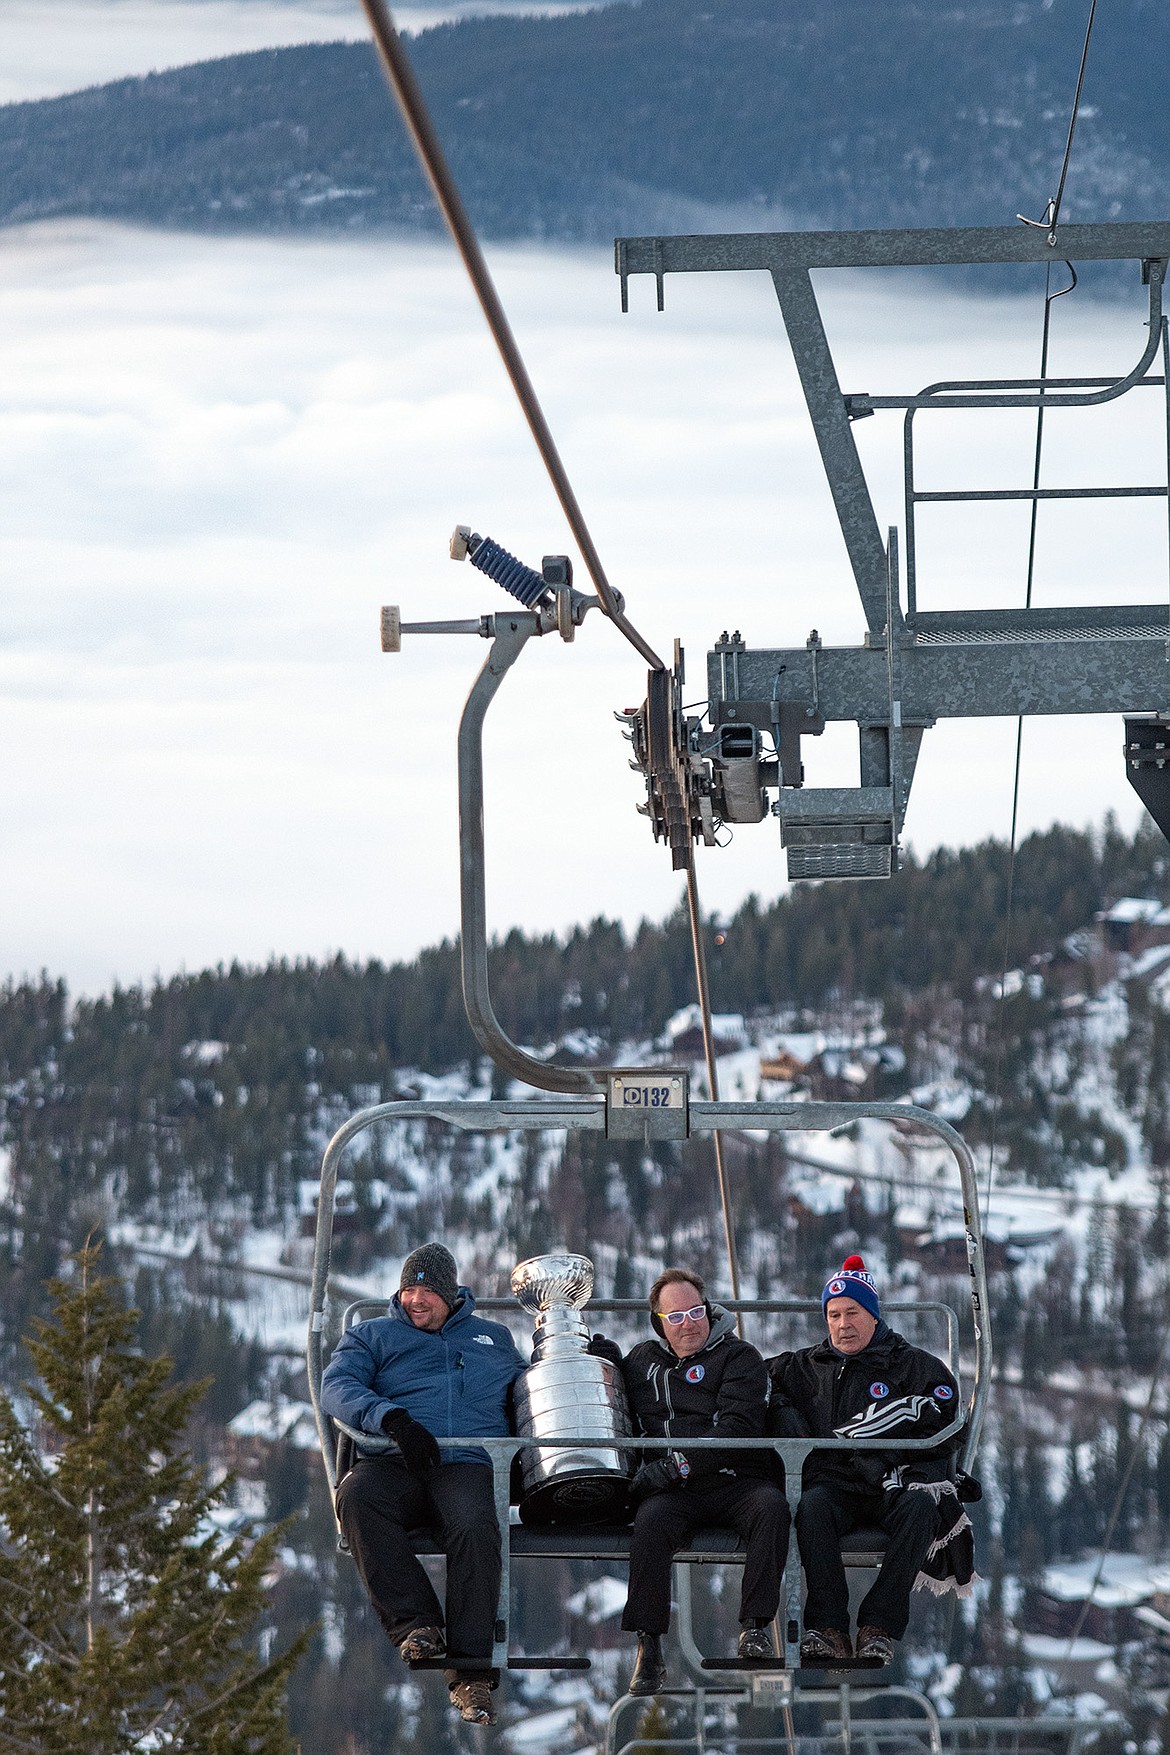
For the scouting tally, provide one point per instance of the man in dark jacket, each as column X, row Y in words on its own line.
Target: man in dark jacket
column 429, row 1369
column 697, row 1380
column 864, row 1381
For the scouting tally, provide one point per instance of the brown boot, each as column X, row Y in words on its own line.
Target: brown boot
column 874, row 1642
column 422, row 1643
column 472, row 1700
column 821, row 1645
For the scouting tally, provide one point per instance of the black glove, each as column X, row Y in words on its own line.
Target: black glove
column 655, row 1477
column 603, row 1348
column 420, row 1453
column 969, row 1490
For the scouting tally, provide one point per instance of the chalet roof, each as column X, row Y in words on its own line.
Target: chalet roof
column 274, row 1420
column 729, row 1025
column 1128, row 910
column 1126, row 1580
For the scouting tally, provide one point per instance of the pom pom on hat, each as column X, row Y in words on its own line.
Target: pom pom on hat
column 853, row 1282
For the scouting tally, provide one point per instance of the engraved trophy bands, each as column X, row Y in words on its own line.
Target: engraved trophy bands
column 567, row 1393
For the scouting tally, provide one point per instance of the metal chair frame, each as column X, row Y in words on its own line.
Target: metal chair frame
column 924, row 1734
column 542, row 1114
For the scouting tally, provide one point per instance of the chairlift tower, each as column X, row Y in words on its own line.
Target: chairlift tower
column 913, row 667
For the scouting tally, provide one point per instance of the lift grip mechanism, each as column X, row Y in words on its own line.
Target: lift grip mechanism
column 550, row 593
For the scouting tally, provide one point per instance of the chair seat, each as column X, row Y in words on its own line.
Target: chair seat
column 612, row 1542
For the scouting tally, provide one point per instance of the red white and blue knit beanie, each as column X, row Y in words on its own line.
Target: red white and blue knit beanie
column 853, row 1282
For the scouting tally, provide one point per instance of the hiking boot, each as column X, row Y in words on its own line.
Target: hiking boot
column 649, row 1665
column 472, row 1700
column 422, row 1642
column 873, row 1642
column 755, row 1642
column 822, row 1644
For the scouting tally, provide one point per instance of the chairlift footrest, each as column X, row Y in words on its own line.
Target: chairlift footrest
column 840, row 1666
column 771, row 1665
column 483, row 1666
column 550, row 1663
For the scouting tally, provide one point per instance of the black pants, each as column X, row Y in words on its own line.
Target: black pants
column 757, row 1509
column 379, row 1502
column 824, row 1515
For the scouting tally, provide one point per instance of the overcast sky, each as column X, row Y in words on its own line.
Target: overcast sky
column 218, row 458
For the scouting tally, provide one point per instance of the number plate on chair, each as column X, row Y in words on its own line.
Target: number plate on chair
column 774, row 1689
column 647, row 1103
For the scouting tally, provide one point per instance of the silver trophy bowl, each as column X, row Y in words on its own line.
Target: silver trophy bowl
column 566, row 1393
column 548, row 1282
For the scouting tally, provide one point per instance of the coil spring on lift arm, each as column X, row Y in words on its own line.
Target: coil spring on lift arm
column 522, row 581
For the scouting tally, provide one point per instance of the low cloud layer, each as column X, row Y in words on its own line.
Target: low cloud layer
column 219, row 458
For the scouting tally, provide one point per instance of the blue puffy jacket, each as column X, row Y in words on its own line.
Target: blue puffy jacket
column 455, row 1383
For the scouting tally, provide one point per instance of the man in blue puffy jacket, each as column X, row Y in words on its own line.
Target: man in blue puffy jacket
column 429, row 1369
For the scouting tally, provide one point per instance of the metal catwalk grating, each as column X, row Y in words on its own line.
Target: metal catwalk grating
column 1153, row 630
column 851, row 859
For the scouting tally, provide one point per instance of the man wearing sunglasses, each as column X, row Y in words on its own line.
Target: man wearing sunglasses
column 696, row 1379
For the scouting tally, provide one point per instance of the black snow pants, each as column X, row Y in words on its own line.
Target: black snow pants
column 824, row 1515
column 757, row 1509
column 379, row 1502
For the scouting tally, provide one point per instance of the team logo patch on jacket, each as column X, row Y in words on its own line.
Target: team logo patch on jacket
column 943, row 1392
column 695, row 1373
column 878, row 1390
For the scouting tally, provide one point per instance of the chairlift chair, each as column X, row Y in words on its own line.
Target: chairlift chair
column 608, row 1544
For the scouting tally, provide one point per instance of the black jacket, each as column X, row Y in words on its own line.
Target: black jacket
column 890, row 1388
column 719, row 1392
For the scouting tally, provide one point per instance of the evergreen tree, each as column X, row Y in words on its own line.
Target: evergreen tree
column 126, row 1618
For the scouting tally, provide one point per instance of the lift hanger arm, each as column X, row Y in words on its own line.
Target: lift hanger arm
column 512, row 635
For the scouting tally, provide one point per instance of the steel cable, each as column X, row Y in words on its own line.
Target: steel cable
column 1058, row 198
column 412, row 104
column 1049, row 298
column 1050, row 221
column 700, row 956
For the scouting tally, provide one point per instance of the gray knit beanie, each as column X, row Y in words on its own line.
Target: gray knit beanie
column 434, row 1267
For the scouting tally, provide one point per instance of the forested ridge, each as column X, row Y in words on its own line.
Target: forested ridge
column 664, row 115
column 213, row 1086
column 183, row 1117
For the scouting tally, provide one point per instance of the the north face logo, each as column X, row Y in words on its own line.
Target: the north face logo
column 485, row 1340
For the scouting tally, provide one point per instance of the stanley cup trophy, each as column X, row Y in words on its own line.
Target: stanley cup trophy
column 568, row 1393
